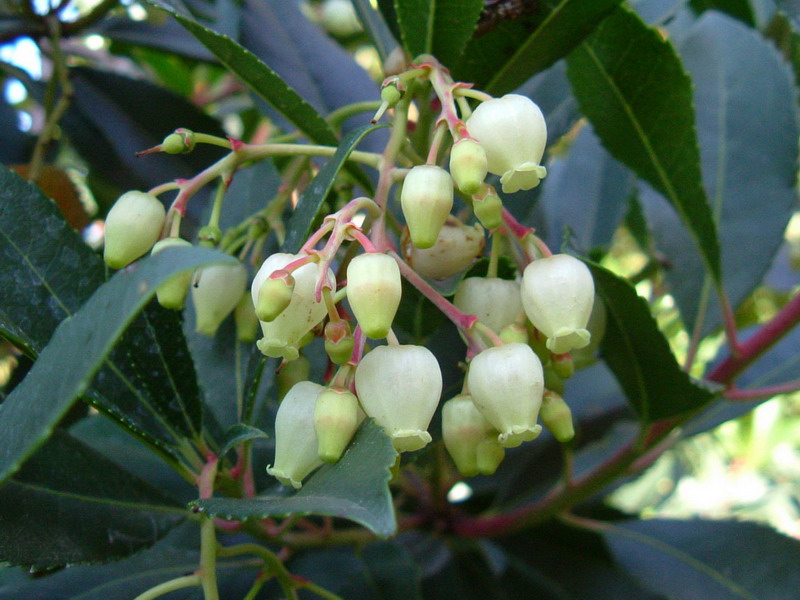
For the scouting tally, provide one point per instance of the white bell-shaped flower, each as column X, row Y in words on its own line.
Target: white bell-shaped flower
column 513, row 133
column 456, row 247
column 282, row 335
column 557, row 295
column 132, row 227
column 374, row 289
column 463, row 429
column 215, row 293
column 399, row 387
column 296, row 443
column 496, row 302
column 506, row 383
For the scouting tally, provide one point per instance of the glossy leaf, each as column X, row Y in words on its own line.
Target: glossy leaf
column 438, row 27
column 355, row 488
column 639, row 355
column 697, row 560
column 640, row 104
column 237, row 434
column 258, row 76
column 747, row 127
column 504, row 58
column 299, row 226
column 586, row 195
column 69, row 504
column 61, row 375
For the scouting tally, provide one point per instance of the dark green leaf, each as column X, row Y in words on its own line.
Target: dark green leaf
column 504, row 58
column 69, row 504
column 255, row 374
column 310, row 203
column 389, row 13
column 640, row 104
column 747, row 127
column 375, row 26
column 640, row 356
column 167, row 36
column 355, row 488
column 61, row 374
column 586, row 195
column 699, row 560
column 438, row 27
column 739, row 9
column 238, row 434
column 258, row 76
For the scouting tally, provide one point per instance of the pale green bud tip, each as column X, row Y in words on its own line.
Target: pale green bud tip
column 563, row 365
column 391, row 94
column 216, row 292
column 172, row 293
column 339, row 342
column 274, row 295
column 180, row 142
column 426, row 199
column 514, row 333
column 209, row 236
column 335, row 422
column 132, row 227
column 463, row 428
column 488, row 209
column 374, row 289
column 489, row 456
column 468, row 165
column 292, row 373
column 557, row 417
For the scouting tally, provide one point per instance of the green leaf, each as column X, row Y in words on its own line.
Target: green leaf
column 376, row 27
column 355, row 488
column 698, row 560
column 238, row 434
column 506, row 57
column 438, row 27
column 310, row 203
column 259, row 77
column 255, row 373
column 48, row 272
column 61, row 374
column 640, row 103
column 639, row 355
column 740, row 9
column 69, row 504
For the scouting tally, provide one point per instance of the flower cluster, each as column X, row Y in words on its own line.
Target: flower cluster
column 345, row 285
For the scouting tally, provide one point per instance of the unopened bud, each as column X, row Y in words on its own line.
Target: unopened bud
column 180, row 142
column 488, row 207
column 292, row 373
column 374, row 289
column 339, row 342
column 463, row 428
column 274, row 295
column 426, row 199
column 172, row 293
column 244, row 316
column 562, row 365
column 216, row 292
column 496, row 302
column 132, row 227
column 468, row 165
column 335, row 422
column 456, row 247
column 209, row 236
column 514, row 333
column 489, row 455
column 557, row 417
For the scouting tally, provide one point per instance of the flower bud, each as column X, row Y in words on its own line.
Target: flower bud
column 557, row 417
column 340, row 18
column 132, row 227
column 496, row 302
column 456, row 247
column 557, row 294
column 489, row 456
column 274, row 295
column 488, row 207
column 296, row 453
column 563, row 365
column 216, row 292
column 463, row 428
column 426, row 199
column 513, row 133
column 180, row 142
column 391, row 92
column 292, row 373
column 373, row 291
column 468, row 165
column 514, row 334
column 209, row 236
column 283, row 336
column 339, row 342
column 244, row 316
column 399, row 387
column 172, row 293
column 335, row 422
column 506, row 384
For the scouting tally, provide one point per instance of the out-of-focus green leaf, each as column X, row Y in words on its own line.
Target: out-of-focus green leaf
column 375, row 26
column 61, row 375
column 69, row 504
column 639, row 355
column 504, row 58
column 640, row 104
column 746, row 107
column 355, row 488
column 438, row 27
column 698, row 560
column 739, row 9
column 299, row 226
column 258, row 76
